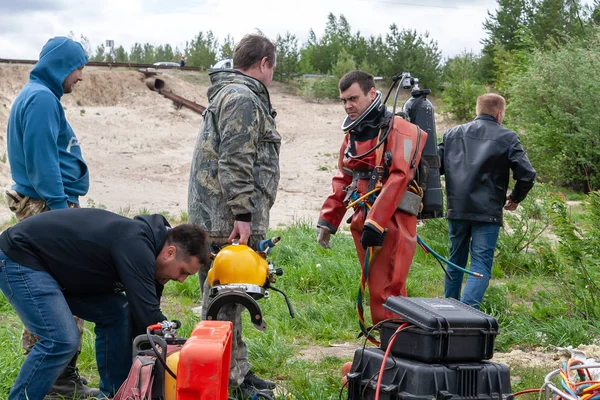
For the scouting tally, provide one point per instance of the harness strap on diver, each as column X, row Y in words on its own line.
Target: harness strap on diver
column 376, row 176
column 376, row 179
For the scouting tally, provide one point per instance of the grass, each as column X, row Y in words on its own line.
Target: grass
column 322, row 285
column 197, row 78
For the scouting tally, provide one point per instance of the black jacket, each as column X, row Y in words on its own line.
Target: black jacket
column 90, row 251
column 477, row 158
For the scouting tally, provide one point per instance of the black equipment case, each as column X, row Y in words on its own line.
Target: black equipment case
column 444, row 330
column 413, row 380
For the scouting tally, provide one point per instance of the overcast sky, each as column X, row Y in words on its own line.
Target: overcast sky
column 25, row 25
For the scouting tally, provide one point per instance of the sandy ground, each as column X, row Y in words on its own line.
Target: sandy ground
column 540, row 358
column 139, row 147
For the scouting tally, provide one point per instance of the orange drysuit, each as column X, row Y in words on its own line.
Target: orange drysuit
column 389, row 268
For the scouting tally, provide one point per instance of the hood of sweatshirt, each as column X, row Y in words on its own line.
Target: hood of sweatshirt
column 59, row 57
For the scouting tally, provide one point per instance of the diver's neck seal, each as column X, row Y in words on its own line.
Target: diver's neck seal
column 349, row 124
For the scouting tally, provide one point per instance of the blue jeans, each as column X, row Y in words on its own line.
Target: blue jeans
column 48, row 313
column 478, row 238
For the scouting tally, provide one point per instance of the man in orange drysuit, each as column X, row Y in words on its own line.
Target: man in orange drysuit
column 391, row 221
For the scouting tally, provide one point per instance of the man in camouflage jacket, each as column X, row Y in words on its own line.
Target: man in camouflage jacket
column 235, row 173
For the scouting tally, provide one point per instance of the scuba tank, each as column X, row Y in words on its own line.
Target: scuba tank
column 420, row 111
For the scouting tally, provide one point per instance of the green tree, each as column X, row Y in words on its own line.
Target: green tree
column 308, row 54
column 164, row 53
column 324, row 52
column 287, row 56
column 553, row 22
column 136, row 55
column 305, row 65
column 377, row 55
column 121, row 55
column 202, row 50
column 523, row 25
column 554, row 101
column 413, row 52
column 510, row 62
column 358, row 49
column 344, row 64
column 226, row 50
column 99, row 56
column 87, row 46
column 462, row 86
column 148, row 55
column 178, row 53
column 503, row 27
column 595, row 13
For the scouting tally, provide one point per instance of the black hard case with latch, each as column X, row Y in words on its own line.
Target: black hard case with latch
column 442, row 330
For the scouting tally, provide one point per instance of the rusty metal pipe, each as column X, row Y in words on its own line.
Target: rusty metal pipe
column 158, row 85
column 155, row 84
column 181, row 102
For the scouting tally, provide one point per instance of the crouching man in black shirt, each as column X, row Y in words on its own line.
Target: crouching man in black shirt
column 80, row 261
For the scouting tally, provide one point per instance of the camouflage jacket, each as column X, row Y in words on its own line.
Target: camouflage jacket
column 235, row 167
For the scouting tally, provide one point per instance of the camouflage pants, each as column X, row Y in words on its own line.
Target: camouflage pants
column 24, row 207
column 240, row 366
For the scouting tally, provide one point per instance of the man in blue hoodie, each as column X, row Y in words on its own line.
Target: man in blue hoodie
column 80, row 261
column 46, row 161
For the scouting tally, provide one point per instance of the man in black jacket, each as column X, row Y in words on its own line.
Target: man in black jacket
column 477, row 158
column 80, row 261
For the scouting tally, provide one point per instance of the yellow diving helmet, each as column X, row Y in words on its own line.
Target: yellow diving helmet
column 241, row 275
column 238, row 264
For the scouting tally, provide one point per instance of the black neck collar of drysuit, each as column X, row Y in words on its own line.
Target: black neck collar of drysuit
column 369, row 128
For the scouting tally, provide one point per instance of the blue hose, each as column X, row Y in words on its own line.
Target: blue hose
column 448, row 262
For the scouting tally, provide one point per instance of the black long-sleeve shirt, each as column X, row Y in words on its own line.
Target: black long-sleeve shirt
column 91, row 251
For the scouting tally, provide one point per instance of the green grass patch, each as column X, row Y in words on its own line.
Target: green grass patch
column 530, row 305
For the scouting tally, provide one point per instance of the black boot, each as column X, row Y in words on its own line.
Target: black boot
column 248, row 392
column 70, row 385
column 259, row 383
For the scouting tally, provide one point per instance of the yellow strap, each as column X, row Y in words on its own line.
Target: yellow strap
column 379, row 152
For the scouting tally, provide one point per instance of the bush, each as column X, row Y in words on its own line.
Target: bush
column 319, row 88
column 579, row 252
column 521, row 244
column 554, row 102
column 460, row 98
column 462, row 85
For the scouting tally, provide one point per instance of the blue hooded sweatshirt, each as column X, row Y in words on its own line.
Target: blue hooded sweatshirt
column 45, row 158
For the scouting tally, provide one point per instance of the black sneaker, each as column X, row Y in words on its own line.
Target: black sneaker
column 258, row 383
column 248, row 392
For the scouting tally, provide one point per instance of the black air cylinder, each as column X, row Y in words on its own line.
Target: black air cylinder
column 421, row 112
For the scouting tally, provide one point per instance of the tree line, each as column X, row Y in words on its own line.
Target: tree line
column 398, row 50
